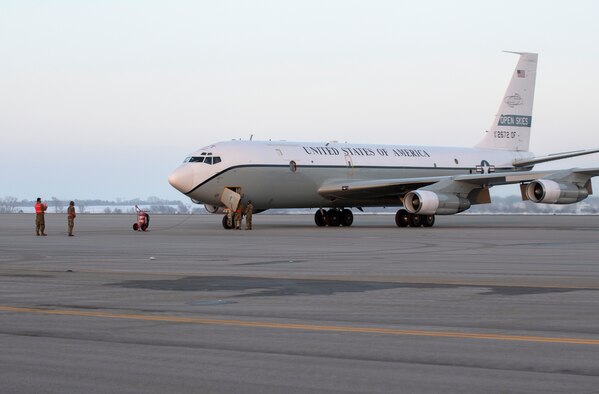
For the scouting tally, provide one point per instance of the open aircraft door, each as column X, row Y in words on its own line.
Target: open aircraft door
column 230, row 198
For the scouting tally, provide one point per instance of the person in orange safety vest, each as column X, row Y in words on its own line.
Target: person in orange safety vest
column 40, row 224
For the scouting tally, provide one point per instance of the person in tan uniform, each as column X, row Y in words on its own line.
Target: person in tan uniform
column 71, row 215
column 249, row 209
column 40, row 223
column 237, row 217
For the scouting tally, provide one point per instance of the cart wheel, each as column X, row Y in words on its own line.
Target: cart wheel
column 135, row 226
column 144, row 227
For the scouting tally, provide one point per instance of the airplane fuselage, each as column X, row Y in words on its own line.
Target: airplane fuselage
column 289, row 174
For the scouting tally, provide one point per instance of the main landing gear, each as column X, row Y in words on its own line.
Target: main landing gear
column 404, row 218
column 333, row 217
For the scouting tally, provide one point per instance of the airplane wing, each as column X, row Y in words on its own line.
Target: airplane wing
column 374, row 188
column 371, row 189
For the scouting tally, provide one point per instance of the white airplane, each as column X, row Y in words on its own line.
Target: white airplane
column 423, row 181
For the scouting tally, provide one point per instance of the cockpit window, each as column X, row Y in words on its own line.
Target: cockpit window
column 205, row 157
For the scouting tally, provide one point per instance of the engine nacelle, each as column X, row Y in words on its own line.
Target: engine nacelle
column 213, row 208
column 425, row 202
column 546, row 191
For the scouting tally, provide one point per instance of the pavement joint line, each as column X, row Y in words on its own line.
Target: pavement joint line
column 401, row 280
column 304, row 327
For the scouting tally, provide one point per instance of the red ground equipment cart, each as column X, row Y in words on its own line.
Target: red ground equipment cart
column 143, row 220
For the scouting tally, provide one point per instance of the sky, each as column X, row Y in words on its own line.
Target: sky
column 103, row 99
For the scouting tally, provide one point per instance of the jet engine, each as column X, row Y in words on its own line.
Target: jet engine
column 546, row 191
column 213, row 208
column 425, row 202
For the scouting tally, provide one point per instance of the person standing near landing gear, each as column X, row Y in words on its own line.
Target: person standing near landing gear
column 71, row 215
column 40, row 224
column 238, row 216
column 249, row 209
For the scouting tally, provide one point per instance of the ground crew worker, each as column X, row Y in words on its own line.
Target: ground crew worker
column 230, row 218
column 238, row 217
column 71, row 215
column 249, row 209
column 40, row 224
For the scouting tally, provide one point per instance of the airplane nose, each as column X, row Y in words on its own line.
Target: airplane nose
column 182, row 179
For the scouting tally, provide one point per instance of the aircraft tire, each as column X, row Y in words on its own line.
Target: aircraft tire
column 333, row 218
column 347, row 218
column 427, row 220
column 226, row 224
column 415, row 220
column 320, row 218
column 402, row 218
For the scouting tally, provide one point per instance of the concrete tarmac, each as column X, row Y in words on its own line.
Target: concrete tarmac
column 474, row 304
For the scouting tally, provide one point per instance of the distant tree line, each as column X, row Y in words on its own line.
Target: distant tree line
column 10, row 204
column 515, row 205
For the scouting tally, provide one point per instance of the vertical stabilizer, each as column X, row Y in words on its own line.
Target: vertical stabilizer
column 511, row 128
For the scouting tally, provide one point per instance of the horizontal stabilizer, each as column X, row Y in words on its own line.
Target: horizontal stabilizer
column 552, row 157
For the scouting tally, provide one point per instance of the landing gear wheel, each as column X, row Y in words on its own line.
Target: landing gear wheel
column 135, row 226
column 320, row 218
column 347, row 218
column 427, row 220
column 333, row 218
column 402, row 218
column 415, row 220
column 226, row 223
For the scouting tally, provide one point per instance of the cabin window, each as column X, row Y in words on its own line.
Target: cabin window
column 456, row 161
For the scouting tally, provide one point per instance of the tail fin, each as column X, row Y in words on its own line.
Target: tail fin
column 511, row 128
